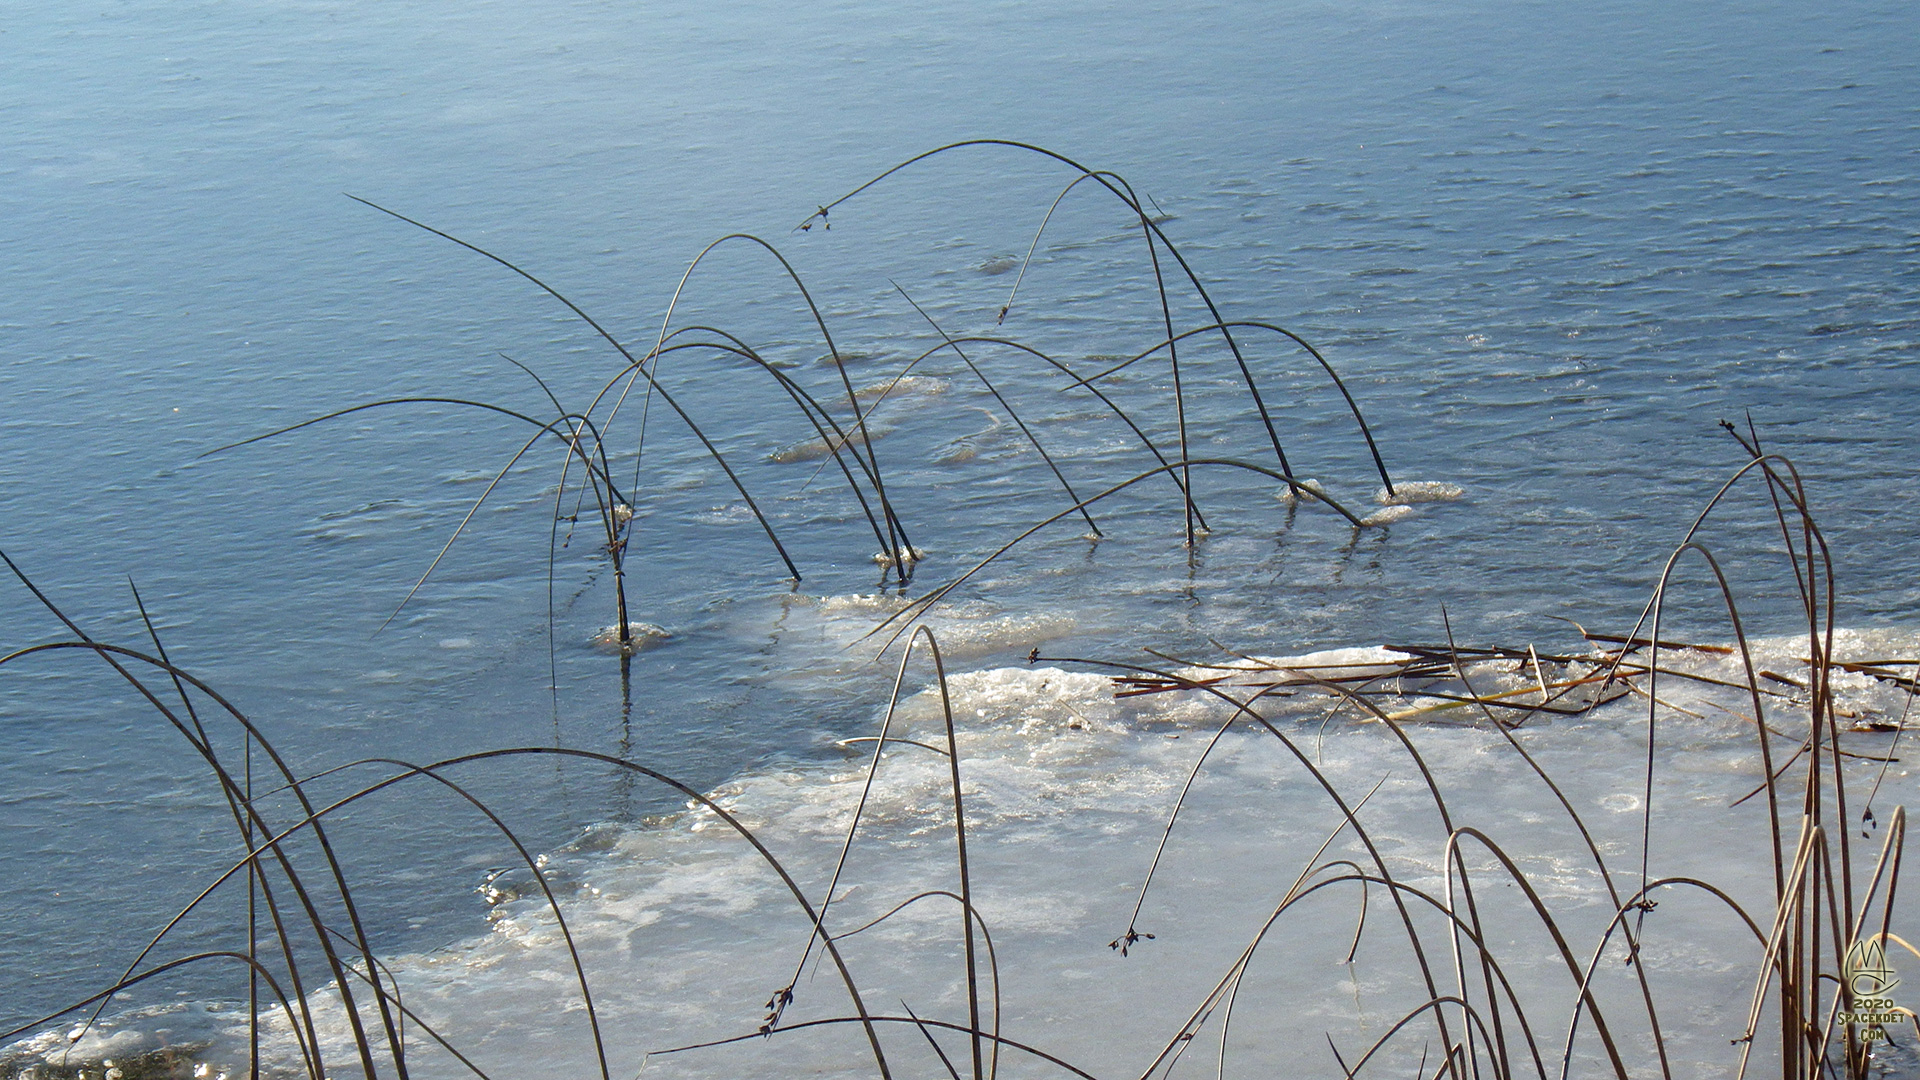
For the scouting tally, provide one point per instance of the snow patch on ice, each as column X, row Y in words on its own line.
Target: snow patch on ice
column 1408, row 492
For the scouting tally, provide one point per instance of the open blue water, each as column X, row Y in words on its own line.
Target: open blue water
column 1547, row 247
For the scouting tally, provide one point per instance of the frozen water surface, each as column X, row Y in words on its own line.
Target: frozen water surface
column 1547, row 251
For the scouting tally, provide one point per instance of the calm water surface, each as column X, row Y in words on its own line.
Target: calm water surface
column 1547, row 248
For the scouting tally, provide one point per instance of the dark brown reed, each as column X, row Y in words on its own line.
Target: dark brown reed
column 1032, row 439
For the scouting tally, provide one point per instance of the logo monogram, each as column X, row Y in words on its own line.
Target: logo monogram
column 1866, row 969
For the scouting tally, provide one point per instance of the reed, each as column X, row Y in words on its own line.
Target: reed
column 305, row 948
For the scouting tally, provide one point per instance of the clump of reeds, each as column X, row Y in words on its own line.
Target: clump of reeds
column 592, row 435
column 1813, row 951
column 305, row 939
column 1818, row 951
